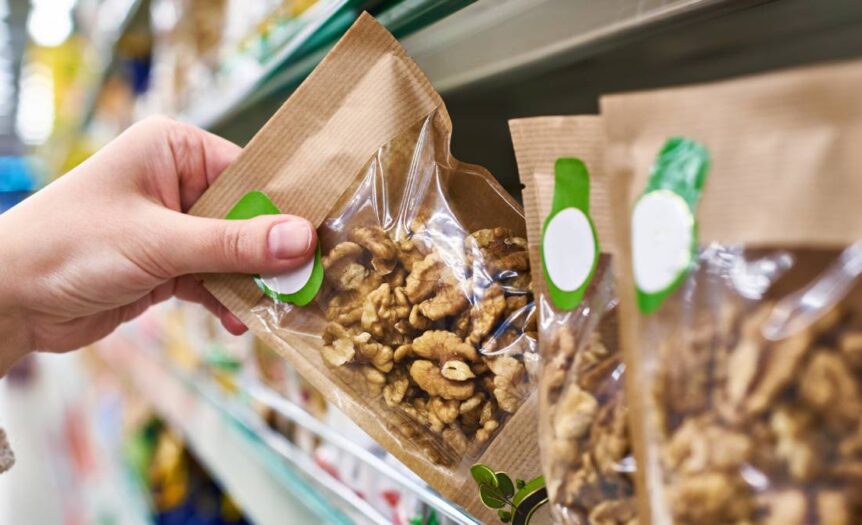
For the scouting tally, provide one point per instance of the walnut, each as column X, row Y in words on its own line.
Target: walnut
column 702, row 445
column 383, row 251
column 339, row 353
column 380, row 356
column 396, row 387
column 574, row 414
column 448, row 301
column 834, row 508
column 487, row 430
column 785, row 507
column 711, row 497
column 613, row 512
column 425, row 278
column 375, row 380
column 510, row 382
column 402, row 352
column 794, row 446
column 609, row 437
column 446, row 410
column 443, row 346
column 828, row 384
column 382, row 309
column 471, row 404
column 428, row 377
column 850, row 345
column 455, row 438
column 409, row 253
column 417, row 319
column 341, row 345
column 494, row 250
column 515, row 303
column 486, row 313
column 457, row 371
column 345, row 308
column 342, row 267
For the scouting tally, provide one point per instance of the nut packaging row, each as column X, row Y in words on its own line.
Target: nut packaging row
column 416, row 318
column 583, row 433
column 736, row 209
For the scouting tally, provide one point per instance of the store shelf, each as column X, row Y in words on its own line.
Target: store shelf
column 494, row 37
column 236, row 444
column 327, row 22
column 266, row 475
column 115, row 18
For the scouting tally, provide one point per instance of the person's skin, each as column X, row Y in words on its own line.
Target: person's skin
column 111, row 238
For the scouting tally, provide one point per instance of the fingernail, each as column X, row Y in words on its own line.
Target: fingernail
column 290, row 239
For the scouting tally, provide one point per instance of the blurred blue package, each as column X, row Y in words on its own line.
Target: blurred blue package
column 17, row 180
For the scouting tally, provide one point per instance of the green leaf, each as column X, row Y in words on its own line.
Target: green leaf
column 491, row 497
column 484, row 476
column 505, row 516
column 505, row 484
column 519, row 483
column 528, row 488
column 432, row 518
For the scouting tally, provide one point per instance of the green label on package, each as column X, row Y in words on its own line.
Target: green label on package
column 515, row 501
column 298, row 286
column 570, row 246
column 663, row 225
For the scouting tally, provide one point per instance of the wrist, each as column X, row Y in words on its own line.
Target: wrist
column 14, row 335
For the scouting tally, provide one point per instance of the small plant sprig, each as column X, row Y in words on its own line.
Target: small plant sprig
column 515, row 501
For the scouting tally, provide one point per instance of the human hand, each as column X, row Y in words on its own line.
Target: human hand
column 104, row 242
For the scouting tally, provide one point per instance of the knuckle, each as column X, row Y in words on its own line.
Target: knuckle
column 234, row 244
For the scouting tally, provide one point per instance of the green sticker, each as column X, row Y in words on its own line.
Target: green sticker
column 298, row 286
column 663, row 225
column 570, row 246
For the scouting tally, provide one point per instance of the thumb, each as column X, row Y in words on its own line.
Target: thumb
column 265, row 245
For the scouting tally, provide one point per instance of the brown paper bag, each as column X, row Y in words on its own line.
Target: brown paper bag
column 420, row 332
column 747, row 365
column 583, row 431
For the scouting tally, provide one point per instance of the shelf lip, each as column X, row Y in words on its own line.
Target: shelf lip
column 491, row 38
column 245, row 455
column 302, row 418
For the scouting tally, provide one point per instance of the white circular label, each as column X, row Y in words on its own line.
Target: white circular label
column 662, row 233
column 289, row 282
column 569, row 249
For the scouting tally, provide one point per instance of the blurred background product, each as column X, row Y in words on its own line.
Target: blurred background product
column 171, row 420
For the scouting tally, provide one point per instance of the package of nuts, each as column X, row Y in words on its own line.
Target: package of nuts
column 737, row 207
column 416, row 317
column 583, row 420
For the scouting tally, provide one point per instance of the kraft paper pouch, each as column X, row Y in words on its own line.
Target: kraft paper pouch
column 416, row 317
column 583, row 430
column 737, row 209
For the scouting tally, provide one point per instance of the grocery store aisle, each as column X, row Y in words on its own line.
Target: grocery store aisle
column 28, row 492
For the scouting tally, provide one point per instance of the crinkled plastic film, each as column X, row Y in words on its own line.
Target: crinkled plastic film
column 753, row 377
column 584, row 439
column 583, row 421
column 426, row 310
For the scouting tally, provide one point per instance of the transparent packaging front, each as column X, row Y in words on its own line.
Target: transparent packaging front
column 426, row 311
column 755, row 377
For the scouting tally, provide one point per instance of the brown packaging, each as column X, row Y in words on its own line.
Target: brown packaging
column 361, row 149
column 750, row 415
column 583, row 430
